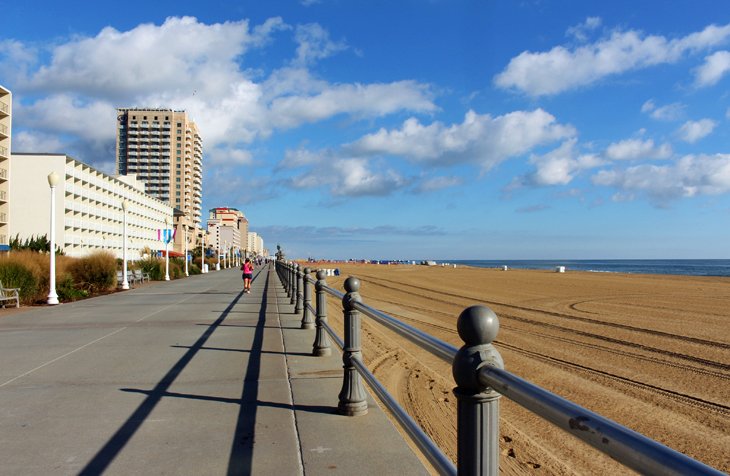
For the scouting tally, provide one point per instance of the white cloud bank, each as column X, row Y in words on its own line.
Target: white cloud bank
column 562, row 69
column 480, row 139
column 690, row 176
column 186, row 64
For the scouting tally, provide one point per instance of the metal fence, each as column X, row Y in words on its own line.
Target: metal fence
column 481, row 381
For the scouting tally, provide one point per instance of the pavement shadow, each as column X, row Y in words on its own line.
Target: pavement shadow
column 241, row 455
column 116, row 443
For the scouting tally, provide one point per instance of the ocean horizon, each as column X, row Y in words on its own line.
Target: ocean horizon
column 684, row 267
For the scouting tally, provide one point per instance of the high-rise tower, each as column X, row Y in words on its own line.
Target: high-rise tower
column 164, row 149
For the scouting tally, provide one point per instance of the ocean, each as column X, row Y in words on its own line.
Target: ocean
column 687, row 267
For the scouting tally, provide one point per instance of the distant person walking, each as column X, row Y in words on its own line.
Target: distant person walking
column 247, row 269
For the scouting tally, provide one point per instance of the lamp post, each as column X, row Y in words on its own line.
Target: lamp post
column 167, row 250
column 53, row 180
column 185, row 230
column 226, row 260
column 202, row 251
column 125, row 283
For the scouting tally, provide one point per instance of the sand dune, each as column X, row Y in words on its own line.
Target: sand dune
column 650, row 352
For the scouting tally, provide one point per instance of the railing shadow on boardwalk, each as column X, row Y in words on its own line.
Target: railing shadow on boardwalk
column 241, row 448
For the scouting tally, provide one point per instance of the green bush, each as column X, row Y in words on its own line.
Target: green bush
column 17, row 275
column 153, row 266
column 66, row 289
column 193, row 269
column 94, row 273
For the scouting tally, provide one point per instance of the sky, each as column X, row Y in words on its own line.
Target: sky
column 413, row 129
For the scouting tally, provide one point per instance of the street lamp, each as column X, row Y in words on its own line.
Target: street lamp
column 226, row 261
column 185, row 230
column 53, row 180
column 202, row 252
column 218, row 264
column 167, row 250
column 125, row 283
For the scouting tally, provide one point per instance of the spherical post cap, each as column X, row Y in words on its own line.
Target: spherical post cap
column 352, row 284
column 477, row 325
column 53, row 179
column 307, row 270
column 321, row 274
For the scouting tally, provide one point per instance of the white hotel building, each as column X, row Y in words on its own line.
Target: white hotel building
column 89, row 215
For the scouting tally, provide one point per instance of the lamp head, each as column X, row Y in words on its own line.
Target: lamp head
column 124, row 205
column 53, row 179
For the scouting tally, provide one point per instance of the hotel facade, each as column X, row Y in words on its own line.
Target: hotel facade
column 6, row 108
column 88, row 207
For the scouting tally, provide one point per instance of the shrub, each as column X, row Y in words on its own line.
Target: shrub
column 94, row 273
column 153, row 266
column 193, row 269
column 66, row 289
column 17, row 275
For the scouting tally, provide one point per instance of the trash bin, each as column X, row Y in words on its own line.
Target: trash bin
column 337, row 271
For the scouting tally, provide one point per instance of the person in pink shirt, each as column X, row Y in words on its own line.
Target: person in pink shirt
column 247, row 269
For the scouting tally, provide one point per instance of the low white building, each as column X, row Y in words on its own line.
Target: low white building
column 89, row 215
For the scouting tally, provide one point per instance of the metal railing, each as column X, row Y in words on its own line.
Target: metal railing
column 481, row 380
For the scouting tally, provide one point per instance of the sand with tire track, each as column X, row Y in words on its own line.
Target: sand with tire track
column 650, row 352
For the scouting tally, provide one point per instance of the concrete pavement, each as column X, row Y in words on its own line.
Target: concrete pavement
column 182, row 377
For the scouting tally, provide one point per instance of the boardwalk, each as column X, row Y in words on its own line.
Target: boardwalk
column 185, row 377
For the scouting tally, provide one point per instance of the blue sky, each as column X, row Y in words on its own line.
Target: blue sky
column 409, row 129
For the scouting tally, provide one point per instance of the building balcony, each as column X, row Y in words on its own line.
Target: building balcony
column 4, row 152
column 3, row 174
column 4, row 109
column 4, row 131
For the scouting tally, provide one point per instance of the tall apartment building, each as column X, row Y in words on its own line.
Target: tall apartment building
column 255, row 244
column 165, row 150
column 6, row 107
column 89, row 214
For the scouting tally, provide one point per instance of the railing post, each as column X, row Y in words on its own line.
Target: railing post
column 299, row 304
column 294, row 284
column 321, row 345
column 477, row 405
column 307, row 320
column 290, row 271
column 352, row 396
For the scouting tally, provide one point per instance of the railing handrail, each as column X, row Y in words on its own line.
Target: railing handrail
column 626, row 446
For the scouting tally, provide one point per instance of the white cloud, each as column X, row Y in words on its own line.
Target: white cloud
column 558, row 167
column 181, row 55
column 635, row 149
column 580, row 31
column 315, row 44
column 62, row 113
column 713, row 69
column 26, row 141
column 438, row 183
column 229, row 156
column 352, row 177
column 690, row 176
column 185, row 64
column 562, row 69
column 692, row 131
column 670, row 112
column 480, row 139
column 370, row 100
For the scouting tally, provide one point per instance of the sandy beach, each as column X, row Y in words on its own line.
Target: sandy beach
column 651, row 352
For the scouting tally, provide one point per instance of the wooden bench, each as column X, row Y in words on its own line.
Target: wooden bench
column 9, row 295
